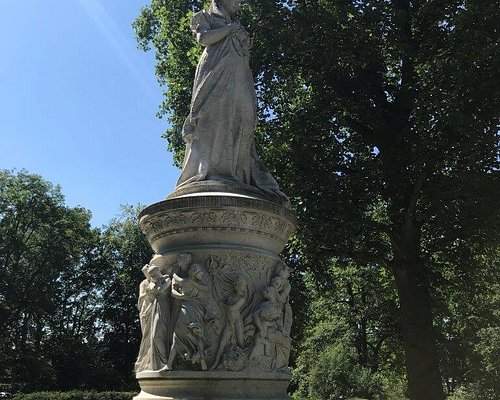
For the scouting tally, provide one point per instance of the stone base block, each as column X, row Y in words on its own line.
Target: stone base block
column 213, row 385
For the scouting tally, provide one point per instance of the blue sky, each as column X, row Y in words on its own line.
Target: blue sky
column 78, row 103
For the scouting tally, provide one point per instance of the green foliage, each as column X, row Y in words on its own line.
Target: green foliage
column 350, row 345
column 48, row 272
column 126, row 250
column 67, row 292
column 76, row 395
column 335, row 374
column 472, row 392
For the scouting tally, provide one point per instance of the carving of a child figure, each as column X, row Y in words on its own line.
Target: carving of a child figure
column 188, row 338
column 266, row 319
column 269, row 312
column 283, row 287
column 234, row 322
column 183, row 261
column 154, row 314
column 273, row 320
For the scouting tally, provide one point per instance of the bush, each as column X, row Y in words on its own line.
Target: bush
column 472, row 392
column 334, row 374
column 75, row 395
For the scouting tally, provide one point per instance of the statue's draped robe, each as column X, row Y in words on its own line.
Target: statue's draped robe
column 219, row 131
column 154, row 314
column 192, row 311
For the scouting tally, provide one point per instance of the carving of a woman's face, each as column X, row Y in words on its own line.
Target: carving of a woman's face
column 155, row 274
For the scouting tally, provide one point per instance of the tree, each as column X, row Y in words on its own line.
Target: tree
column 468, row 322
column 126, row 250
column 397, row 104
column 351, row 345
column 68, row 292
column 42, row 263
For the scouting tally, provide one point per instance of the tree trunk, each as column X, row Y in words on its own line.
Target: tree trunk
column 422, row 363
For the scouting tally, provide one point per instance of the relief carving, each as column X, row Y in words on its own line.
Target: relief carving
column 230, row 312
column 219, row 219
column 154, row 314
column 189, row 333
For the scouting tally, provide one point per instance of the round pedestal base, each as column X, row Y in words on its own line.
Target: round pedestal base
column 227, row 308
column 212, row 385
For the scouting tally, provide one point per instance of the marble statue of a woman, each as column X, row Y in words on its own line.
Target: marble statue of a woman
column 154, row 314
column 219, row 131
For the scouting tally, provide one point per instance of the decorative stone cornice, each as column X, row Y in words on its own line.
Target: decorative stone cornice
column 217, row 216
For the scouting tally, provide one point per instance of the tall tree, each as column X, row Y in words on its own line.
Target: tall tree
column 42, row 293
column 350, row 347
column 382, row 115
column 126, row 250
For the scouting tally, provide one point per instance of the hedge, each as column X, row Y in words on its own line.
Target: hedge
column 75, row 395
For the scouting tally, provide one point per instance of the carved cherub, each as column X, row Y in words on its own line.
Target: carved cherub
column 283, row 287
column 269, row 312
column 183, row 261
column 180, row 269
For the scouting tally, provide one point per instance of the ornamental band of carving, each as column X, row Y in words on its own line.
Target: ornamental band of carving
column 155, row 226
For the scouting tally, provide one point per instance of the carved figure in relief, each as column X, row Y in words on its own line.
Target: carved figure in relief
column 273, row 321
column 180, row 268
column 269, row 312
column 219, row 131
column 234, row 321
column 282, row 336
column 281, row 345
column 282, row 286
column 188, row 338
column 183, row 261
column 154, row 314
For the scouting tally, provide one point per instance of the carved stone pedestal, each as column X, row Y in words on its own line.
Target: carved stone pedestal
column 214, row 305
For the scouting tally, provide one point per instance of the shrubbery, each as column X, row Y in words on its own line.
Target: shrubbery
column 473, row 392
column 335, row 375
column 76, row 395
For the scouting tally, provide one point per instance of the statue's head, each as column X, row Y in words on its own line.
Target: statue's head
column 195, row 271
column 184, row 259
column 278, row 282
column 240, row 284
column 154, row 273
column 231, row 6
column 285, row 273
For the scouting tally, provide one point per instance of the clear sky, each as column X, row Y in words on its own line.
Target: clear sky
column 78, row 103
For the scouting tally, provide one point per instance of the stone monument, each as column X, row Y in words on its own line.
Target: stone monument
column 213, row 306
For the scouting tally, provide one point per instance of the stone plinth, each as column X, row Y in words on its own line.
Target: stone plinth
column 200, row 385
column 214, row 311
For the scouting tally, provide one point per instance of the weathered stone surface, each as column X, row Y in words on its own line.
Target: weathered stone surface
column 219, row 130
column 213, row 385
column 212, row 220
column 227, row 297
column 221, row 187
